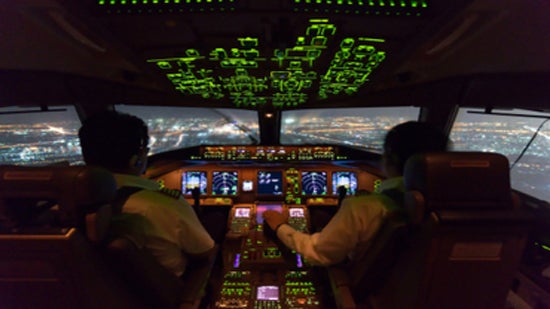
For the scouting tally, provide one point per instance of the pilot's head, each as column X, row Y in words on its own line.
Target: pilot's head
column 115, row 141
column 407, row 139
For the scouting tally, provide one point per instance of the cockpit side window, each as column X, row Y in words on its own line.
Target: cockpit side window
column 39, row 136
column 522, row 136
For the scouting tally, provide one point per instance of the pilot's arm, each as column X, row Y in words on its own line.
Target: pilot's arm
column 354, row 222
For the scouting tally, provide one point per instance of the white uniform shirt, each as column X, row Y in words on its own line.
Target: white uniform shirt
column 356, row 222
column 170, row 226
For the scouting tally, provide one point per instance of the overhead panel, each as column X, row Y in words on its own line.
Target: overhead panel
column 292, row 78
column 317, row 62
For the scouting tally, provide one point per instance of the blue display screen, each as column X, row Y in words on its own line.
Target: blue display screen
column 314, row 183
column 193, row 179
column 270, row 182
column 225, row 183
column 345, row 179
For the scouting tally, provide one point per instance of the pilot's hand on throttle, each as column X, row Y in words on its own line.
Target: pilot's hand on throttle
column 274, row 219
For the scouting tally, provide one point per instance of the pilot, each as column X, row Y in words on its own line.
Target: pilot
column 165, row 224
column 359, row 218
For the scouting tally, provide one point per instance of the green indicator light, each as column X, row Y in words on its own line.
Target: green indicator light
column 424, row 4
column 381, row 3
column 372, row 40
column 318, row 20
column 392, row 3
column 101, row 2
column 155, row 1
column 112, row 2
column 371, row 3
column 339, row 2
column 414, row 3
column 134, row 1
column 402, row 3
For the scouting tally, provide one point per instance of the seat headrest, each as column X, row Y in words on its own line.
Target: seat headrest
column 450, row 180
column 76, row 189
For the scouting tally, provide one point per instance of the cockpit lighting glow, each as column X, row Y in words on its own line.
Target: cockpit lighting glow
column 287, row 78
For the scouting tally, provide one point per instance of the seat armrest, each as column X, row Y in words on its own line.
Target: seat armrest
column 157, row 286
column 338, row 275
column 340, row 285
column 197, row 275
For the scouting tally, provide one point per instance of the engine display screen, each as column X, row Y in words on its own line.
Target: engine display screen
column 270, row 182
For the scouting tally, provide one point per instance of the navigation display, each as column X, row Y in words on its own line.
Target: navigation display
column 270, row 182
column 314, row 183
column 346, row 179
column 193, row 179
column 225, row 183
column 261, row 208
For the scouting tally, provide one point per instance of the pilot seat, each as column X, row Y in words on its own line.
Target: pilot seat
column 459, row 248
column 57, row 249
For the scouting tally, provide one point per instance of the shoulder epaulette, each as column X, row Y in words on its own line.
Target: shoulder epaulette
column 174, row 193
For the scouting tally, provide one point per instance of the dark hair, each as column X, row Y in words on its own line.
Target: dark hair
column 109, row 139
column 409, row 138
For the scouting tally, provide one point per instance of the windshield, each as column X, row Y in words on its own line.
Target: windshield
column 32, row 136
column 522, row 136
column 172, row 128
column 359, row 127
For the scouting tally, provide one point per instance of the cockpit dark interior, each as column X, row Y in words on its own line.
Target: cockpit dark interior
column 255, row 105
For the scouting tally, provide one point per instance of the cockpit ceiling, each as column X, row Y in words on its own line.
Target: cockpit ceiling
column 250, row 54
column 247, row 53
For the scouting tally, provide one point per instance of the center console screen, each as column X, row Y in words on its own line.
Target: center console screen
column 225, row 183
column 296, row 212
column 270, row 182
column 242, row 212
column 193, row 179
column 261, row 208
column 346, row 179
column 267, row 292
column 314, row 183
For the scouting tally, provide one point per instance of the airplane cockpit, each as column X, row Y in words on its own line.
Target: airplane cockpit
column 280, row 105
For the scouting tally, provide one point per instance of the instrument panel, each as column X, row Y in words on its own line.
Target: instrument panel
column 220, row 183
column 257, row 271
